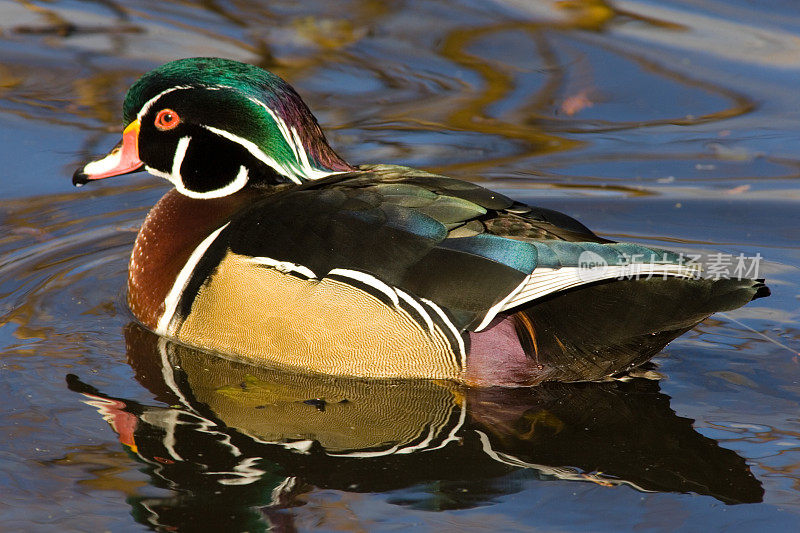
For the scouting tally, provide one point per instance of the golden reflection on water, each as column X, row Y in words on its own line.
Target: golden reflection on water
column 97, row 92
column 222, row 423
column 108, row 466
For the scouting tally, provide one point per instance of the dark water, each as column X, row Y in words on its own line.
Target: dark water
column 674, row 123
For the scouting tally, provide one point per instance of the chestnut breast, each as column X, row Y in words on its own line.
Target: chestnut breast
column 174, row 227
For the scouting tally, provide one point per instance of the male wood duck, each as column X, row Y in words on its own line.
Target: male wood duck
column 274, row 249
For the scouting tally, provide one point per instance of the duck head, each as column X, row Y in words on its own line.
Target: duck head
column 212, row 126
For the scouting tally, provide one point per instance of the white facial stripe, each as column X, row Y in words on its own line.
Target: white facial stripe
column 296, row 171
column 310, row 172
column 292, row 139
column 281, row 127
column 180, row 153
column 176, row 179
column 239, row 182
column 256, row 152
column 167, row 176
column 296, row 145
column 146, row 107
column 101, row 166
column 175, row 293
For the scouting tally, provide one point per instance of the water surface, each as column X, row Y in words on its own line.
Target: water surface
column 670, row 123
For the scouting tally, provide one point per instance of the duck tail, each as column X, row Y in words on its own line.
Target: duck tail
column 598, row 330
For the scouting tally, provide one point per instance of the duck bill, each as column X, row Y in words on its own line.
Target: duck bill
column 122, row 159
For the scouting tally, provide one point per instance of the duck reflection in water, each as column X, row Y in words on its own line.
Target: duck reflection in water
column 238, row 443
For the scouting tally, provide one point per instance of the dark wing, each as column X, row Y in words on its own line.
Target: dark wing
column 505, row 217
column 465, row 248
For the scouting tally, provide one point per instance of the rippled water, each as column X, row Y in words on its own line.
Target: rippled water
column 674, row 123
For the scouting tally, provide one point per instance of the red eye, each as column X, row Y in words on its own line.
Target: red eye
column 167, row 119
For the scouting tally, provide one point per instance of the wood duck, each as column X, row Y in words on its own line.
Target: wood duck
column 274, row 249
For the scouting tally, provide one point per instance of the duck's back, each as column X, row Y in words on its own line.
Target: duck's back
column 392, row 272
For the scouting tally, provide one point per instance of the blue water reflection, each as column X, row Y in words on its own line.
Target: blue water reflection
column 669, row 123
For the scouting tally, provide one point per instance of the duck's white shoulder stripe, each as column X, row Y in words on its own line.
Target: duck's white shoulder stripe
column 544, row 281
column 285, row 267
column 462, row 351
column 368, row 279
column 407, row 298
column 174, row 295
column 425, row 308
